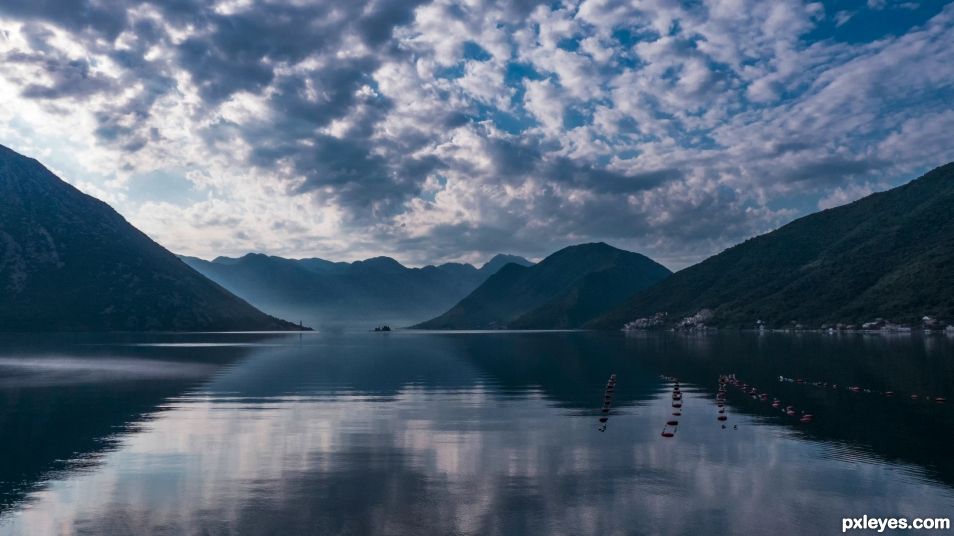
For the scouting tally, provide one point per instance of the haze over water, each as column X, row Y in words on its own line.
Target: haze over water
column 468, row 433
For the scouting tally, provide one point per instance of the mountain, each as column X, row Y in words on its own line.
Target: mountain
column 499, row 261
column 69, row 262
column 325, row 293
column 888, row 255
column 564, row 290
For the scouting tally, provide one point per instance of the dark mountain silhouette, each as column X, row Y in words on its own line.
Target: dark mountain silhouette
column 368, row 292
column 888, row 255
column 69, row 262
column 564, row 290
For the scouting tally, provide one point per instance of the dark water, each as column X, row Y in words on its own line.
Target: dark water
column 492, row 433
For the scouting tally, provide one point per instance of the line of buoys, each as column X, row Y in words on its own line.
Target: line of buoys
column 860, row 389
column 720, row 399
column 607, row 401
column 669, row 430
column 756, row 394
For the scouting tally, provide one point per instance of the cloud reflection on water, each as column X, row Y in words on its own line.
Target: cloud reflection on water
column 332, row 439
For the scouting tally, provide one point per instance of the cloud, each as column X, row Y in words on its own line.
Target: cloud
column 442, row 130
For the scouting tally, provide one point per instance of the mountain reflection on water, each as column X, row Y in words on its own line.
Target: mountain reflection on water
column 473, row 433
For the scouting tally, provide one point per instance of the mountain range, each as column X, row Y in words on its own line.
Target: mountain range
column 565, row 290
column 326, row 293
column 69, row 262
column 888, row 255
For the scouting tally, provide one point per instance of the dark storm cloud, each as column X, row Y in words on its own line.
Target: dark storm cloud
column 69, row 78
column 239, row 52
column 829, row 170
column 106, row 19
column 602, row 180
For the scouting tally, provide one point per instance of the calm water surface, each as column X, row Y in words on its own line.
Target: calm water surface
column 468, row 433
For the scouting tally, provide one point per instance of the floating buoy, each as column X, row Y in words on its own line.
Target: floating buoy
column 672, row 423
column 889, row 393
column 764, row 396
column 677, row 404
column 605, row 410
column 855, row 389
column 667, row 434
column 940, row 400
column 806, row 417
column 722, row 410
column 677, row 414
column 791, row 413
column 604, row 419
column 914, row 397
column 722, row 417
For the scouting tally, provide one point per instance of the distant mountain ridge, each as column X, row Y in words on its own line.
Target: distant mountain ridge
column 69, row 262
column 888, row 255
column 564, row 290
column 371, row 291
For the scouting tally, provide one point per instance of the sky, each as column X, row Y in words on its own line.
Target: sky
column 444, row 130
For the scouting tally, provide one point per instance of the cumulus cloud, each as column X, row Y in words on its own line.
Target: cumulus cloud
column 443, row 130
